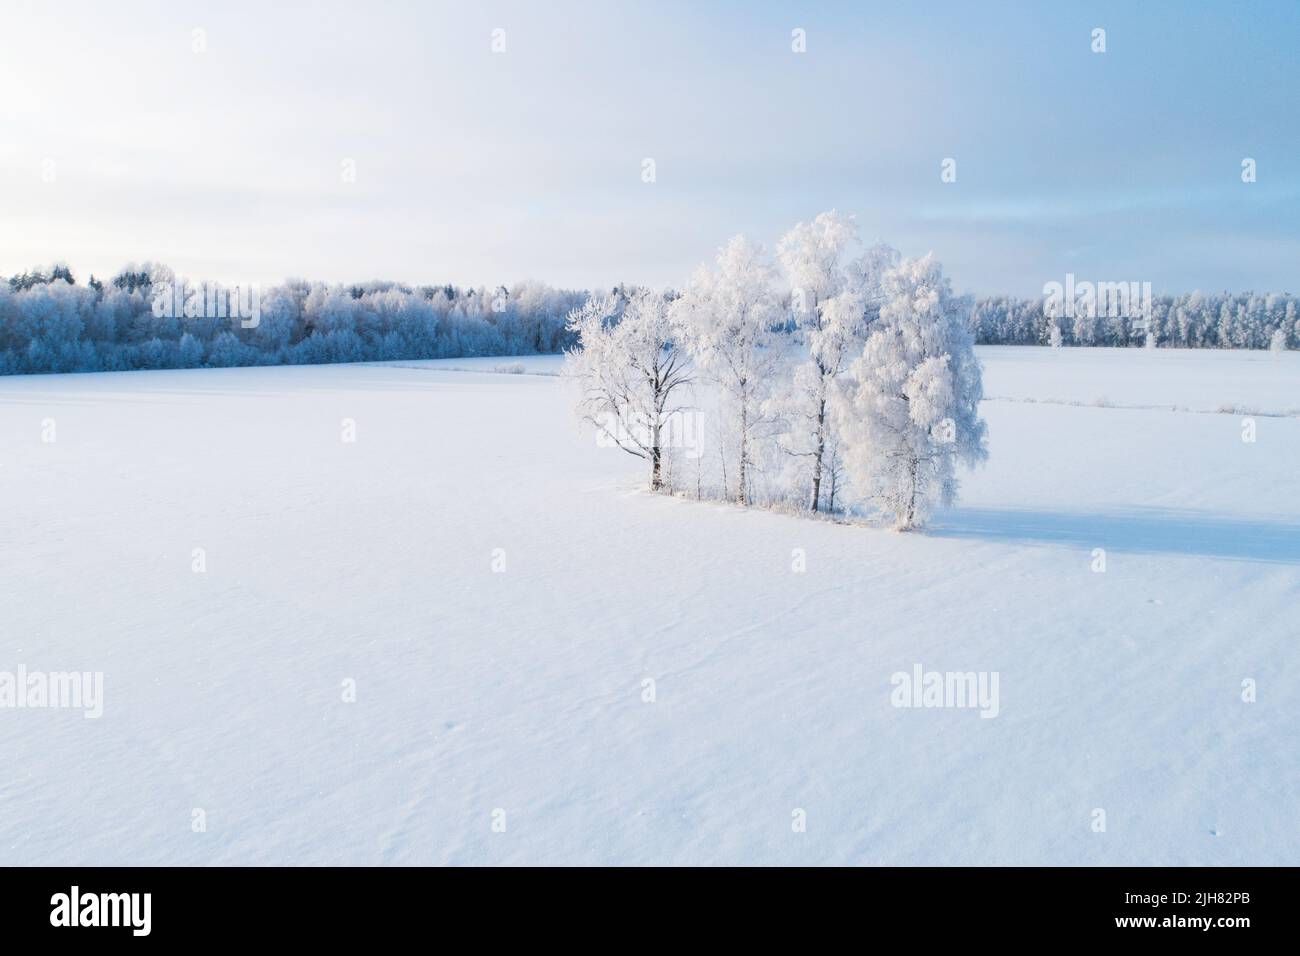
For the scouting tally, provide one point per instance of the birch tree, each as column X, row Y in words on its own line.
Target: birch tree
column 632, row 372
column 725, row 319
column 914, row 412
column 833, row 298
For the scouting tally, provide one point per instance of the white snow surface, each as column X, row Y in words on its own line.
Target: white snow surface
column 522, row 691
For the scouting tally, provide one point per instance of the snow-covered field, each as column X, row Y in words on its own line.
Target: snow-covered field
column 508, row 685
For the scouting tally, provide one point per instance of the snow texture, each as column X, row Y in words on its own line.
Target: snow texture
column 500, row 590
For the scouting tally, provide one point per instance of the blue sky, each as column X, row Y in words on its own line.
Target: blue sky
column 481, row 167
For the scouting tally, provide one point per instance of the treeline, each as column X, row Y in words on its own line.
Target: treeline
column 51, row 323
column 1224, row 320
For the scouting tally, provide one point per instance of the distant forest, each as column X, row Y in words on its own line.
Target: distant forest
column 1221, row 320
column 49, row 322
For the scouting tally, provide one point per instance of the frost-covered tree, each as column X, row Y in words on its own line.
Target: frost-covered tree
column 832, row 299
column 725, row 319
column 1277, row 344
column 632, row 371
column 50, row 324
column 190, row 351
column 914, row 413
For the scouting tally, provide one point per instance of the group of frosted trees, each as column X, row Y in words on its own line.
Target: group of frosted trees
column 831, row 378
column 49, row 323
column 1194, row 320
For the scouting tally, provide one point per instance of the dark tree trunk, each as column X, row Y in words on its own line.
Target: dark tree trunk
column 656, row 460
column 817, row 458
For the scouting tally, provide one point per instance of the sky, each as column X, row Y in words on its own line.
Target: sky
column 347, row 141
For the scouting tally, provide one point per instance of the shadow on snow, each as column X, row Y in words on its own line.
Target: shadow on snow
column 1138, row 530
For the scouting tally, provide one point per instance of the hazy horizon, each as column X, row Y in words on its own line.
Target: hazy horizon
column 122, row 144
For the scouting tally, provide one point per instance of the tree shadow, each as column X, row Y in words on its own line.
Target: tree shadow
column 1136, row 530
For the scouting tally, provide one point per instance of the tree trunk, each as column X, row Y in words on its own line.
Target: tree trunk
column 817, row 458
column 656, row 480
column 910, row 520
column 744, row 453
column 722, row 457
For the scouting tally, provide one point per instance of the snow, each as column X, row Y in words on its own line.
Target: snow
column 1208, row 380
column 523, row 690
